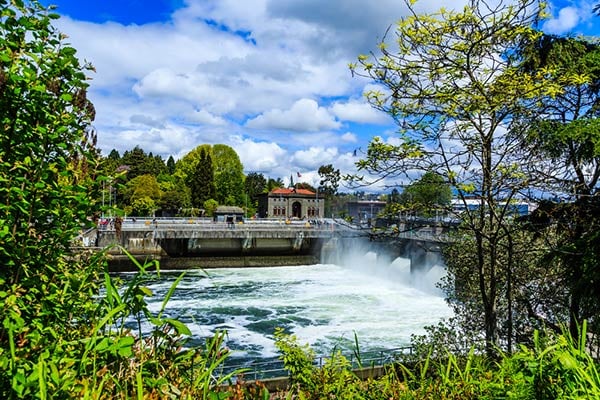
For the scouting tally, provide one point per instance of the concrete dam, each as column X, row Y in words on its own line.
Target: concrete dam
column 193, row 243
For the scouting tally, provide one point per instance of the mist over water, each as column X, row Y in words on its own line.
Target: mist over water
column 323, row 305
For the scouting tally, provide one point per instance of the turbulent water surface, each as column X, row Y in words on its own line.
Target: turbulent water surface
column 324, row 305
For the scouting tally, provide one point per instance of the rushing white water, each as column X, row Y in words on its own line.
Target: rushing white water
column 324, row 305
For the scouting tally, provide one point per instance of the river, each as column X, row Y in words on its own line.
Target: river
column 324, row 305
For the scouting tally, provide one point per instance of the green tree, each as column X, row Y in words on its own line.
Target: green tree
column 185, row 167
column 210, row 206
column 227, row 173
column 141, row 163
column 328, row 186
column 330, row 180
column 564, row 131
column 255, row 184
column 140, row 187
column 274, row 184
column 453, row 85
column 155, row 165
column 45, row 118
column 174, row 200
column 201, row 183
column 427, row 194
column 136, row 162
column 171, row 165
column 110, row 163
column 143, row 206
column 229, row 176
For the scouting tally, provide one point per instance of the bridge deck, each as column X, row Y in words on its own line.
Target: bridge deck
column 203, row 228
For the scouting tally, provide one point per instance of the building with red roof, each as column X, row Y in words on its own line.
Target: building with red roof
column 291, row 203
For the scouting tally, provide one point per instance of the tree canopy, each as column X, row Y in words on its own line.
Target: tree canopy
column 428, row 193
column 229, row 175
column 453, row 83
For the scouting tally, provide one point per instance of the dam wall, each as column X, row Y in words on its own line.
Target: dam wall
column 210, row 245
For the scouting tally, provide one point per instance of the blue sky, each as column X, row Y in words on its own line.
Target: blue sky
column 269, row 78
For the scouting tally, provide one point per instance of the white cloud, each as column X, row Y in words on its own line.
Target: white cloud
column 349, row 137
column 205, row 118
column 304, row 115
column 261, row 157
column 567, row 19
column 361, row 112
column 314, row 157
column 147, row 120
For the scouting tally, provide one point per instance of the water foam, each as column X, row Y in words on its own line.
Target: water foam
column 324, row 305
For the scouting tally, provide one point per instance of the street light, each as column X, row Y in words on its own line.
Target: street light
column 318, row 215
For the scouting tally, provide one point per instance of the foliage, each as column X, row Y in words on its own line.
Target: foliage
column 454, row 84
column 564, row 128
column 201, row 183
column 569, row 233
column 170, row 165
column 46, row 145
column 328, row 185
column 143, row 206
column 47, row 170
column 174, row 200
column 142, row 186
column 334, row 379
column 330, row 180
column 255, row 184
column 140, row 163
column 428, row 193
column 229, row 176
column 185, row 167
column 564, row 132
column 210, row 206
column 62, row 330
column 274, row 184
column 554, row 367
column 297, row 360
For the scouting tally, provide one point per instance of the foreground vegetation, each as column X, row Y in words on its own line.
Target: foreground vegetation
column 553, row 367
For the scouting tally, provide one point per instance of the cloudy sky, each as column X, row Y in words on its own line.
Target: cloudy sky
column 269, row 78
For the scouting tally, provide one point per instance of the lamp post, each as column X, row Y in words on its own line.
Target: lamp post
column 318, row 215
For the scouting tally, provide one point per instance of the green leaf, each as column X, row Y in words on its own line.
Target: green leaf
column 179, row 326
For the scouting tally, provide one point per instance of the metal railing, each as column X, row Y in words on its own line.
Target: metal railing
column 274, row 368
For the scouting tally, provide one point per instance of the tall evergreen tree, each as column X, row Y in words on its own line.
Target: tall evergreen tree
column 170, row 165
column 136, row 162
column 201, row 183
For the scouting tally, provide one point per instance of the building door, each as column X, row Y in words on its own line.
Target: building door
column 297, row 210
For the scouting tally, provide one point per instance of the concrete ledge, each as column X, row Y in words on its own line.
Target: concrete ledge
column 282, row 383
column 122, row 263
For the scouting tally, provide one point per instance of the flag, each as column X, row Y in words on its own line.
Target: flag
column 298, row 173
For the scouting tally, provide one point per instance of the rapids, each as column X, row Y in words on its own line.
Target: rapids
column 324, row 305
